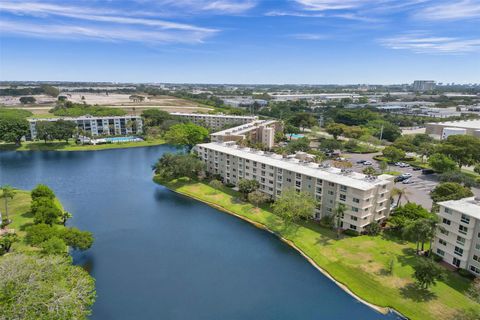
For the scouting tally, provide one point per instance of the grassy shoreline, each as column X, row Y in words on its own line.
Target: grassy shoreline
column 356, row 264
column 71, row 146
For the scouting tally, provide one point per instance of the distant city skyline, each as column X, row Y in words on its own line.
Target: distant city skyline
column 241, row 41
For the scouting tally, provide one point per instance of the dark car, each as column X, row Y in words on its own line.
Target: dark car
column 416, row 168
column 360, row 161
column 428, row 171
column 400, row 178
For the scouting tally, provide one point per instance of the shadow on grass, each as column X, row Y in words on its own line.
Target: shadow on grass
column 414, row 292
column 408, row 257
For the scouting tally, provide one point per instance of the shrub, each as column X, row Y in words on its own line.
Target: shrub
column 437, row 258
column 373, row 229
column 466, row 274
column 53, row 246
column 350, row 232
column 216, row 184
column 39, row 233
column 42, row 190
column 257, row 198
column 327, row 221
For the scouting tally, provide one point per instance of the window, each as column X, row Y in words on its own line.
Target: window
column 446, row 221
column 289, row 180
column 319, row 190
column 443, row 231
column 343, row 197
column 353, row 227
column 343, row 188
column 298, row 184
column 462, row 229
column 298, row 176
column 440, row 252
column 330, row 192
column 458, row 251
column 354, row 209
column 442, row 242
column 309, row 178
column 476, row 258
column 448, row 211
column 477, row 246
column 475, row 269
column 331, row 184
column 353, row 218
column 319, row 181
column 460, row 240
column 465, row 219
column 356, row 200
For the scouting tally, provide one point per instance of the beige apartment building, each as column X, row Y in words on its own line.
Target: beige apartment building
column 366, row 198
column 214, row 121
column 259, row 131
column 442, row 130
column 458, row 242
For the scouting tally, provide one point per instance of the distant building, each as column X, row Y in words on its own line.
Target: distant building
column 441, row 130
column 458, row 241
column 95, row 126
column 260, row 131
column 423, row 85
column 314, row 96
column 366, row 198
column 242, row 102
column 214, row 121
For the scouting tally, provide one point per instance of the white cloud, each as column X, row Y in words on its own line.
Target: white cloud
column 309, row 36
column 78, row 32
column 110, row 24
column 421, row 43
column 459, row 10
column 212, row 6
column 322, row 5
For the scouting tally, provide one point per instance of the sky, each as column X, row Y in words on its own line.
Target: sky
column 241, row 41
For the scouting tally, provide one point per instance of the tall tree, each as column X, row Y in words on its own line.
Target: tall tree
column 293, row 205
column 464, row 149
column 450, row 191
column 441, row 163
column 7, row 193
column 427, row 272
column 246, row 186
column 187, row 134
column 338, row 214
column 13, row 129
column 394, row 154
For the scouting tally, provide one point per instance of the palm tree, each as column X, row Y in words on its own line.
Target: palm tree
column 400, row 193
column 7, row 192
column 337, row 216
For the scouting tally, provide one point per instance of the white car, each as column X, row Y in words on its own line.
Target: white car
column 367, row 163
column 408, row 181
column 406, row 175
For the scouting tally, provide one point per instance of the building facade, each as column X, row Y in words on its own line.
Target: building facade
column 260, row 131
column 366, row 198
column 96, row 126
column 423, row 85
column 458, row 241
column 213, row 121
column 441, row 130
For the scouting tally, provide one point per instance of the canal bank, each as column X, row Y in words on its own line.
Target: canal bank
column 355, row 264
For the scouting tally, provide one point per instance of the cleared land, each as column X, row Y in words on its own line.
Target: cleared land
column 112, row 100
column 72, row 146
column 357, row 262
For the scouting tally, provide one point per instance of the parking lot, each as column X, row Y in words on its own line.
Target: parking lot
column 418, row 191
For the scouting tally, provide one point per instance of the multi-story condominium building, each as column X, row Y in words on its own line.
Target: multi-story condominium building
column 214, row 121
column 441, row 130
column 366, row 198
column 260, row 131
column 114, row 125
column 423, row 85
column 458, row 241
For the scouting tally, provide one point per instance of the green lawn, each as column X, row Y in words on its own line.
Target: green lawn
column 357, row 262
column 19, row 213
column 72, row 146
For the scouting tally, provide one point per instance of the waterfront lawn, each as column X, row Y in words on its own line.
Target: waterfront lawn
column 72, row 146
column 19, row 213
column 357, row 262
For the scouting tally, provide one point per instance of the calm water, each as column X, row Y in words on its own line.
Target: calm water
column 159, row 255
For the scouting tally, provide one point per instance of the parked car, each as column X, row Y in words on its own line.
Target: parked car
column 408, row 181
column 406, row 175
column 360, row 161
column 428, row 171
column 367, row 163
column 400, row 178
column 416, row 168
column 398, row 164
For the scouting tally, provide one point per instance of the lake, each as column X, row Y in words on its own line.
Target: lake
column 160, row 255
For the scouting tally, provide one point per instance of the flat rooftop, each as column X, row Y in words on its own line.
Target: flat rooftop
column 467, row 124
column 211, row 115
column 244, row 128
column 82, row 118
column 468, row 206
column 351, row 179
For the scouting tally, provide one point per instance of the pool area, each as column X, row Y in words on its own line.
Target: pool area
column 123, row 139
column 297, row 136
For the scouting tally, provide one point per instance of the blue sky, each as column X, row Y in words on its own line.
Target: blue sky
column 241, row 41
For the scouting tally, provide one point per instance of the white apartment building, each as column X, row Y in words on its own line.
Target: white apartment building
column 114, row 125
column 458, row 242
column 262, row 131
column 214, row 121
column 442, row 130
column 366, row 198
